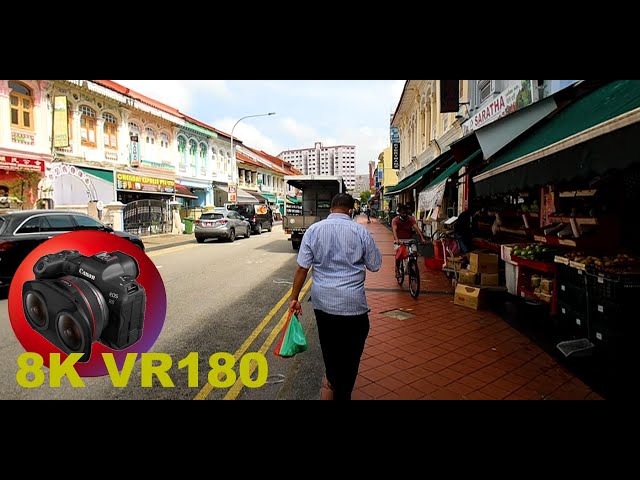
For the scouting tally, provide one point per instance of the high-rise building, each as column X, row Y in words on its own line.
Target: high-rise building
column 339, row 160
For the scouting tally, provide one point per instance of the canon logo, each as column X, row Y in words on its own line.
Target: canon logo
column 87, row 274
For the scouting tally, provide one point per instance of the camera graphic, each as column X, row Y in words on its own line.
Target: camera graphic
column 76, row 300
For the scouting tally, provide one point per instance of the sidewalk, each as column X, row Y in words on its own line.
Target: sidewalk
column 441, row 351
column 159, row 242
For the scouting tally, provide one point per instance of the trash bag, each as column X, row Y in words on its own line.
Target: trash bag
column 293, row 340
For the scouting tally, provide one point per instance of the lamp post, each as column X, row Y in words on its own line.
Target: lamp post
column 233, row 155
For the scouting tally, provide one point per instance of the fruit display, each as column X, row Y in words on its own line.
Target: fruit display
column 620, row 263
column 534, row 251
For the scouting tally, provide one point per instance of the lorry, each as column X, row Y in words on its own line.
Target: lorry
column 312, row 205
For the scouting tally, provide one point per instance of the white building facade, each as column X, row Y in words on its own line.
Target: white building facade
column 320, row 160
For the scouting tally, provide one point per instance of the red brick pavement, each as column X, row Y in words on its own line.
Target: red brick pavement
column 448, row 352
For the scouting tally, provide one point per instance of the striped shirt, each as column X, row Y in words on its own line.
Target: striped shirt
column 340, row 251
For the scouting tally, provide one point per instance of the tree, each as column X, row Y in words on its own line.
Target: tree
column 364, row 197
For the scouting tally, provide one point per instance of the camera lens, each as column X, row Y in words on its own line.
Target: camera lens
column 70, row 331
column 36, row 309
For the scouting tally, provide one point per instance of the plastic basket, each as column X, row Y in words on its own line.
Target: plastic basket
column 581, row 347
column 572, row 296
column 614, row 288
column 571, row 276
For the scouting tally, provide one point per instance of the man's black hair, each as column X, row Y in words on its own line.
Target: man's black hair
column 343, row 200
column 403, row 207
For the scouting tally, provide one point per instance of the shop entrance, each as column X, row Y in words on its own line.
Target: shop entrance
column 148, row 217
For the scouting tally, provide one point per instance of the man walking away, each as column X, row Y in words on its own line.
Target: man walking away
column 340, row 252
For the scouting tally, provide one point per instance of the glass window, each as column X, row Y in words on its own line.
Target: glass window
column 87, row 222
column 34, row 225
column 87, row 126
column 21, row 106
column 110, row 131
column 59, row 223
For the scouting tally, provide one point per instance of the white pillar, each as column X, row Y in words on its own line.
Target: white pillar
column 5, row 114
column 115, row 213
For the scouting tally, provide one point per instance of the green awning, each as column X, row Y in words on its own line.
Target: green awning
column 534, row 158
column 103, row 174
column 412, row 180
column 453, row 168
column 269, row 196
column 293, row 200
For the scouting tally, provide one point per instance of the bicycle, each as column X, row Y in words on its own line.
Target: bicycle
column 409, row 265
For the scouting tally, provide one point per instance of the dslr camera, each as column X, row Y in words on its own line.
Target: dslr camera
column 76, row 300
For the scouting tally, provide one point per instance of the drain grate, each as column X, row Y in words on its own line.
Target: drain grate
column 399, row 313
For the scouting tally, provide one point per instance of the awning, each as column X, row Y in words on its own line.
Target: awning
column 607, row 118
column 433, row 193
column 270, row 197
column 412, row 180
column 244, row 197
column 292, row 200
column 184, row 192
column 259, row 196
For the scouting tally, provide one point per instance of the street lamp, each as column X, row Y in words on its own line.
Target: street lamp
column 233, row 155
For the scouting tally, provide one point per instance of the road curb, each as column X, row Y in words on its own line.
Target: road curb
column 155, row 248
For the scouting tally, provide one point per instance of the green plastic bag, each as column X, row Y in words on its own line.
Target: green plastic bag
column 293, row 340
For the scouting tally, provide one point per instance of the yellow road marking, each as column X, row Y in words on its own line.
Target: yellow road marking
column 237, row 387
column 208, row 388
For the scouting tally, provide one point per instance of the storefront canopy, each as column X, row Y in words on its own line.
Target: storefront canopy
column 245, row 197
column 594, row 134
column 270, row 197
column 431, row 196
column 184, row 192
column 412, row 180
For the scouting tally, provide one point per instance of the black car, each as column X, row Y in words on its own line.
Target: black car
column 260, row 216
column 22, row 231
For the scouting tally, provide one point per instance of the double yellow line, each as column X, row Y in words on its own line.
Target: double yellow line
column 235, row 390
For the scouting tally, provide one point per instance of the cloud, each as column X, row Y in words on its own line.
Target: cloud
column 303, row 133
column 184, row 95
column 250, row 135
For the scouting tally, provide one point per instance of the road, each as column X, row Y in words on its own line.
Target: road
column 221, row 298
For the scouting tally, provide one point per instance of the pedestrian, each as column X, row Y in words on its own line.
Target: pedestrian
column 368, row 214
column 340, row 252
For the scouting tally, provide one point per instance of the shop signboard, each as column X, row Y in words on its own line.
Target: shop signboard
column 15, row 163
column 142, row 183
column 135, row 151
column 395, row 156
column 514, row 98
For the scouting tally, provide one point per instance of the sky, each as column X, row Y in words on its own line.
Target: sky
column 334, row 112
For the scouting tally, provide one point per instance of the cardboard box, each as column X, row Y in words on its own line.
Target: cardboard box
column 545, row 297
column 470, row 297
column 468, row 278
column 455, row 263
column 483, row 262
column 546, row 286
column 490, row 279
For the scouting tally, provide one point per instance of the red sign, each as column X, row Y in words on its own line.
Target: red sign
column 13, row 163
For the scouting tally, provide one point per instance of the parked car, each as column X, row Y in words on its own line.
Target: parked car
column 260, row 216
column 221, row 223
column 21, row 231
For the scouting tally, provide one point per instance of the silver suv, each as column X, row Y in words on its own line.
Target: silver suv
column 221, row 223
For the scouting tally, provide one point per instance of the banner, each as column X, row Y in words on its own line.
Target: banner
column 60, row 122
column 431, row 197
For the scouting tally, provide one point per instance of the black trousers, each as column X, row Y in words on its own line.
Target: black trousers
column 342, row 342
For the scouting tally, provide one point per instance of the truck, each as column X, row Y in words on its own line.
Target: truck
column 311, row 206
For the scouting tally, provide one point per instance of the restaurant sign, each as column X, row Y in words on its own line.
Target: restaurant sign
column 142, row 183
